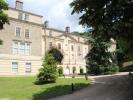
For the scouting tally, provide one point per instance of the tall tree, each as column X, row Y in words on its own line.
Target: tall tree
column 3, row 17
column 57, row 54
column 109, row 19
column 48, row 73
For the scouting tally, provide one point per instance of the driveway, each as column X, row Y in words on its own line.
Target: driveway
column 118, row 87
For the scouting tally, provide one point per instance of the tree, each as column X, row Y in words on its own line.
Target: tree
column 3, row 17
column 108, row 19
column 48, row 73
column 57, row 54
column 99, row 59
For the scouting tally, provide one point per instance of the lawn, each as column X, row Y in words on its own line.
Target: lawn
column 23, row 88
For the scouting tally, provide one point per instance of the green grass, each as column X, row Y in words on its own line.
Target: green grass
column 23, row 88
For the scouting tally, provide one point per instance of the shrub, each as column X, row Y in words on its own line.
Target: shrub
column 60, row 71
column 112, row 69
column 126, row 69
column 48, row 73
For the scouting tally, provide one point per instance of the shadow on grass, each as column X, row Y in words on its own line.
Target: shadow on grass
column 57, row 91
column 42, row 83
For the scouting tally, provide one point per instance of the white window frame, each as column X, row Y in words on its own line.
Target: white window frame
column 15, row 69
column 21, row 48
column 17, row 48
column 25, row 34
column 16, row 31
column 28, row 49
column 28, row 68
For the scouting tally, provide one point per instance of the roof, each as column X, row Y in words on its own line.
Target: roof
column 25, row 12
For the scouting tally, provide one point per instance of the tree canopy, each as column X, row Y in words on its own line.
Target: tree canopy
column 57, row 54
column 3, row 17
column 109, row 19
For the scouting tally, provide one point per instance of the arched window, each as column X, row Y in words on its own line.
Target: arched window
column 67, row 71
column 74, row 70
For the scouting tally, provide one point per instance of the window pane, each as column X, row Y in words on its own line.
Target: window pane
column 28, row 68
column 15, row 48
column 27, row 33
column 27, row 52
column 21, row 48
column 15, row 67
column 27, row 48
column 18, row 31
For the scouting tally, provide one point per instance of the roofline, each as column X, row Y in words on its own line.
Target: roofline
column 65, row 32
column 27, row 22
column 56, row 30
column 25, row 12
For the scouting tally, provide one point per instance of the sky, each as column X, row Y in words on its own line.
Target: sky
column 56, row 12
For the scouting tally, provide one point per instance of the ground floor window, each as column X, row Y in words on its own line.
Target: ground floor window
column 28, row 68
column 14, row 67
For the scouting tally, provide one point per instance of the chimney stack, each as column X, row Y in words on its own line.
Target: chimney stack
column 19, row 4
column 46, row 24
column 67, row 29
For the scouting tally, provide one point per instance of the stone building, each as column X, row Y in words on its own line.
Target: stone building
column 26, row 40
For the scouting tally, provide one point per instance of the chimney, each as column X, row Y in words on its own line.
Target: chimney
column 46, row 24
column 19, row 4
column 67, row 29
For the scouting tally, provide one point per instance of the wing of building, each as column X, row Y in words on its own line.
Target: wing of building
column 25, row 41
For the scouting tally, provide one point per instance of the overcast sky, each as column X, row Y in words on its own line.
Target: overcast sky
column 57, row 12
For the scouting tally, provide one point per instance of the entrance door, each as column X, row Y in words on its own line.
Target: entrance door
column 67, row 71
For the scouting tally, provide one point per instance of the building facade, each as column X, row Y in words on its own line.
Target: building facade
column 26, row 40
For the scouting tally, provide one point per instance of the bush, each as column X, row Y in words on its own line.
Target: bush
column 60, row 71
column 112, row 69
column 48, row 73
column 126, row 69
